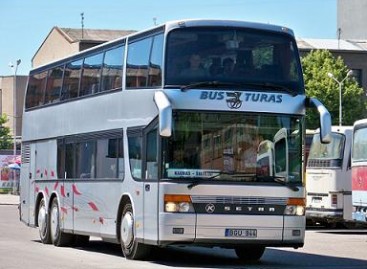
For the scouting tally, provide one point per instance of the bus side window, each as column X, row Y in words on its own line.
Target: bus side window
column 54, row 83
column 135, row 148
column 70, row 85
column 155, row 63
column 112, row 69
column 36, row 88
column 86, row 156
column 91, row 75
column 137, row 63
column 151, row 155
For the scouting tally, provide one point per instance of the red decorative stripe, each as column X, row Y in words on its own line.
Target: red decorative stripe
column 62, row 191
column 56, row 185
column 75, row 190
column 93, row 206
column 46, row 191
column 101, row 220
column 64, row 210
column 75, row 208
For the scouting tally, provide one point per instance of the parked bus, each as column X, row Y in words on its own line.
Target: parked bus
column 308, row 142
column 328, row 179
column 359, row 172
column 124, row 142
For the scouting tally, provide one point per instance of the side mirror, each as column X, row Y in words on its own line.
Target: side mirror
column 325, row 119
column 165, row 114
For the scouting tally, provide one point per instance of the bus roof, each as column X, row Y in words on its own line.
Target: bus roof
column 168, row 26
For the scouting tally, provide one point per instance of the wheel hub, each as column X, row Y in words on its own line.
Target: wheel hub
column 127, row 233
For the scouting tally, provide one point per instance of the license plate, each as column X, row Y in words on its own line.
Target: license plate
column 316, row 200
column 245, row 233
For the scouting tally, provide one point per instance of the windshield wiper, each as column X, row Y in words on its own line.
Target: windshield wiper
column 210, row 83
column 232, row 174
column 278, row 179
column 281, row 87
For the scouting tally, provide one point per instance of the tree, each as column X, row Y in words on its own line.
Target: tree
column 316, row 66
column 5, row 137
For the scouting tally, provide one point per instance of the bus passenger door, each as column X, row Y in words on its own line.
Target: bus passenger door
column 150, row 209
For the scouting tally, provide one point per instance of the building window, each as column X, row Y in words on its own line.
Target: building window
column 357, row 75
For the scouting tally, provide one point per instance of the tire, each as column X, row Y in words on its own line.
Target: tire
column 43, row 223
column 250, row 253
column 131, row 249
column 58, row 238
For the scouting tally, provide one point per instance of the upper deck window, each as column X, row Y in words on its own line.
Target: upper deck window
column 91, row 75
column 245, row 57
column 112, row 69
column 54, row 84
column 144, row 62
column 70, row 87
column 36, row 88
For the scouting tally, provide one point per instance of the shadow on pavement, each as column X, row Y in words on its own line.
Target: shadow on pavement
column 225, row 258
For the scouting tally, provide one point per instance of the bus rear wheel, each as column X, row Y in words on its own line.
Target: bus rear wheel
column 58, row 237
column 250, row 253
column 131, row 249
column 43, row 223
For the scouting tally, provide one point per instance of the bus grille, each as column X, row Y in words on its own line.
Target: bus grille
column 239, row 200
column 324, row 163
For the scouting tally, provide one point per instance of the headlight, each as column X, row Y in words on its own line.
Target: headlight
column 295, row 207
column 178, row 203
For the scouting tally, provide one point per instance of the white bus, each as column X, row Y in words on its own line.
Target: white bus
column 328, row 179
column 359, row 172
column 122, row 142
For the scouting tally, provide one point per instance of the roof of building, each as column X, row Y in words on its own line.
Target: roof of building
column 332, row 44
column 77, row 35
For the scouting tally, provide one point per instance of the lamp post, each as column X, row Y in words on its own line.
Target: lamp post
column 15, row 68
column 340, row 83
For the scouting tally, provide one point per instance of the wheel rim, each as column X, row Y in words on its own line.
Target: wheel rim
column 42, row 221
column 127, row 232
column 54, row 222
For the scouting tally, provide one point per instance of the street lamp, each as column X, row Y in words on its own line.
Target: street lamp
column 15, row 68
column 340, row 83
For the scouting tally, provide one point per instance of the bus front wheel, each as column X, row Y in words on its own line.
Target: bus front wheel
column 130, row 247
column 250, row 253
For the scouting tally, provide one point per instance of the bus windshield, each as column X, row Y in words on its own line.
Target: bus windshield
column 332, row 151
column 230, row 56
column 360, row 145
column 233, row 147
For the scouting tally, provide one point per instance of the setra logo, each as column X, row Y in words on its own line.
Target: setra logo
column 210, row 208
column 233, row 100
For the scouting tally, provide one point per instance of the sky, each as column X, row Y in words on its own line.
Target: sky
column 24, row 24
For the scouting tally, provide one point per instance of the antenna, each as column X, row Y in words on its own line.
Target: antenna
column 154, row 21
column 82, row 15
column 339, row 36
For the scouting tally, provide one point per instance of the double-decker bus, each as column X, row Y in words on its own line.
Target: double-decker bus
column 147, row 142
column 328, row 179
column 359, row 172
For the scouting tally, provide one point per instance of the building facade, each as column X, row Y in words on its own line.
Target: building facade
column 8, row 84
